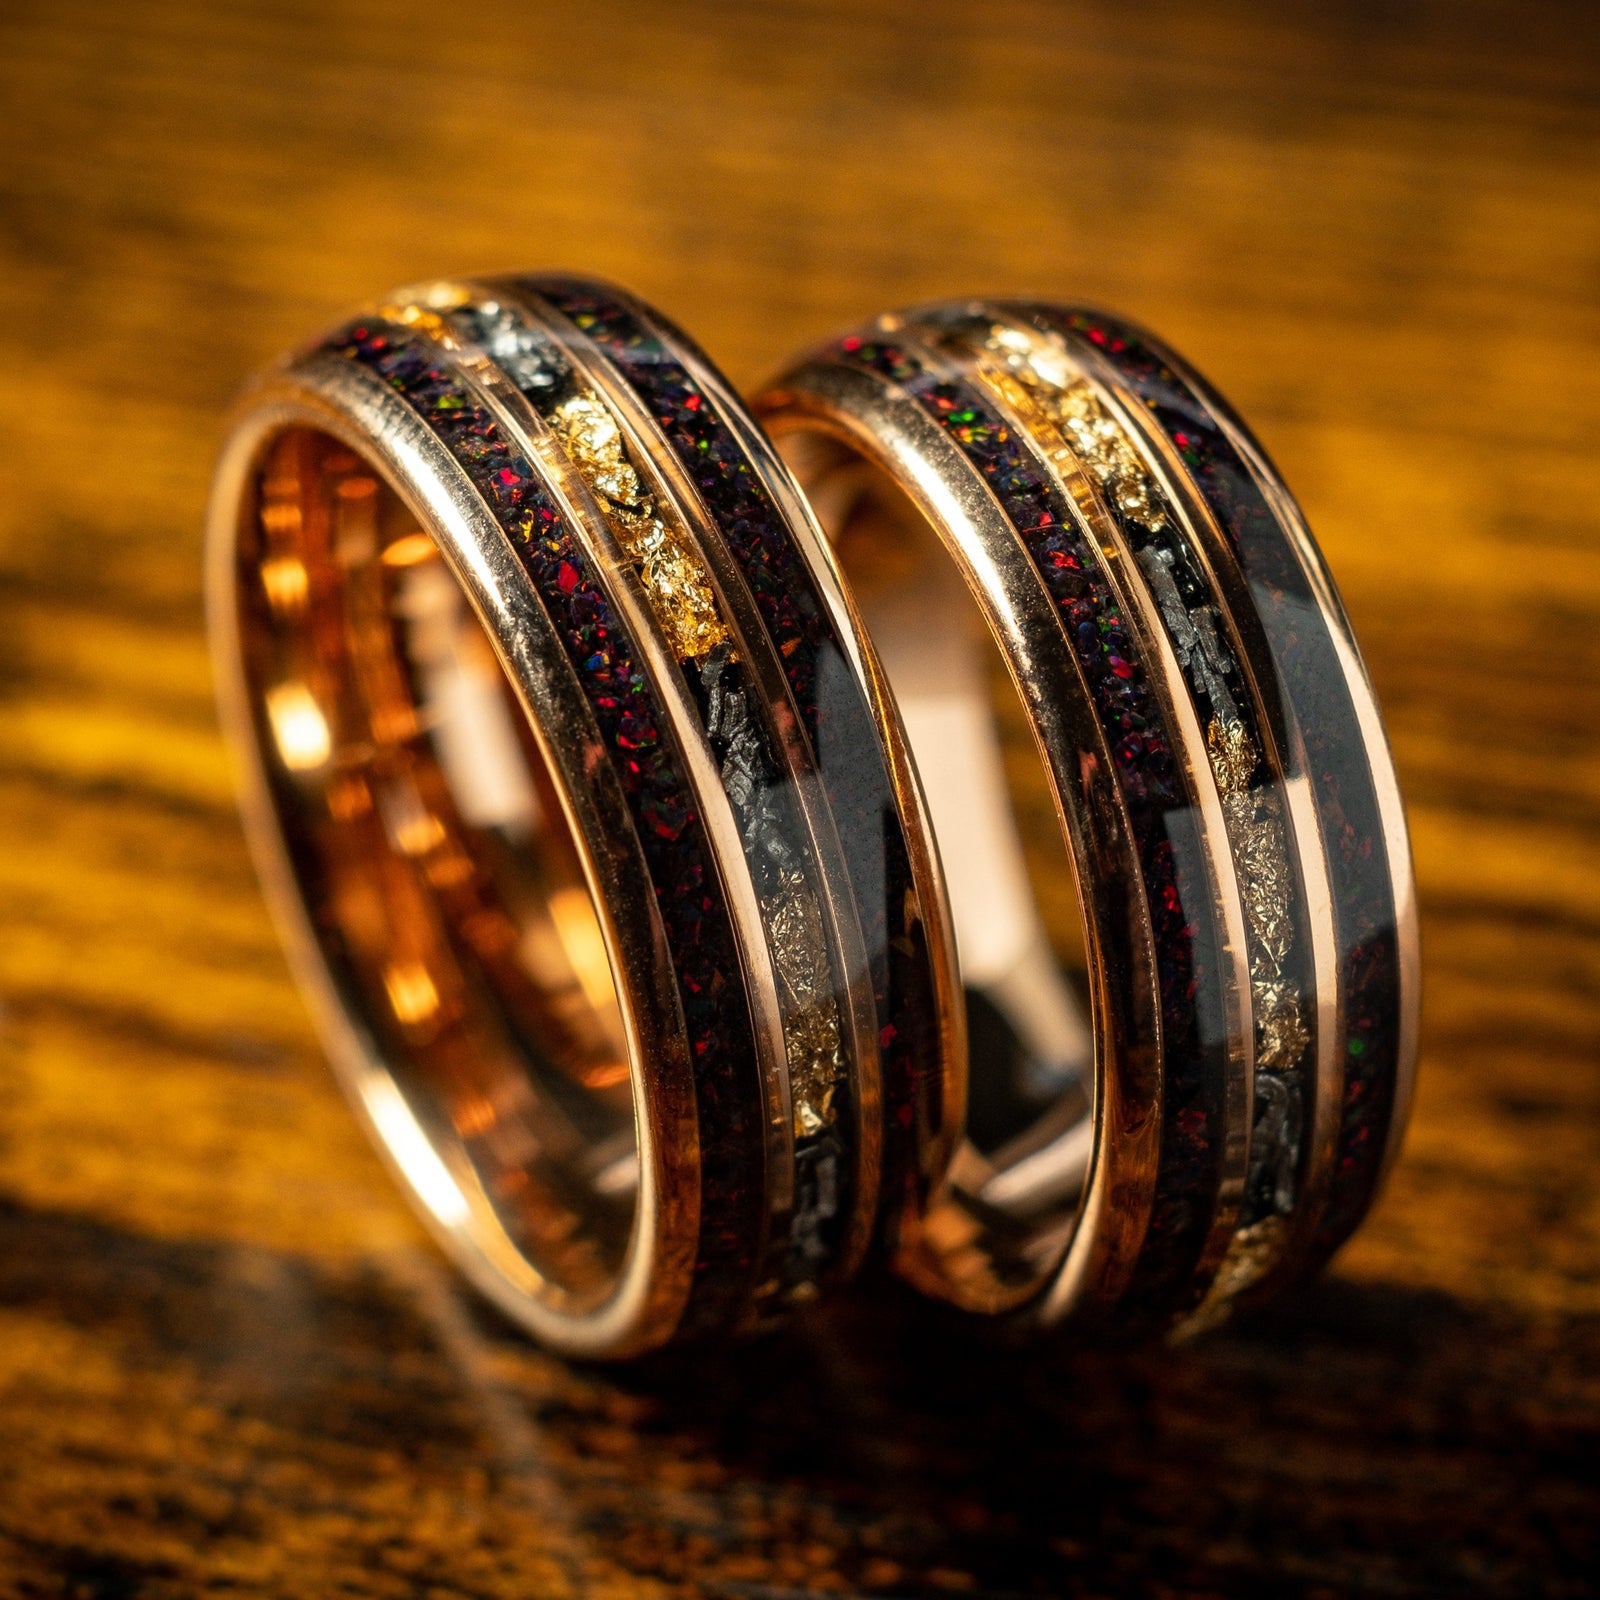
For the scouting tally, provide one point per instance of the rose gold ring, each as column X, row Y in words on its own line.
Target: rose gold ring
column 585, row 836
column 1166, row 811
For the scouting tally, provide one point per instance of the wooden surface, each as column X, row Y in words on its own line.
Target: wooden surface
column 229, row 1363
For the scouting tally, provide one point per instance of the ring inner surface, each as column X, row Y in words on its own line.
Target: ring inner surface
column 1011, row 883
column 442, row 879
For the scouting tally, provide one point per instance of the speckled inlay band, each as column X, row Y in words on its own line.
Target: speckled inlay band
column 1314, row 684
column 670, row 831
column 836, row 716
column 1160, row 809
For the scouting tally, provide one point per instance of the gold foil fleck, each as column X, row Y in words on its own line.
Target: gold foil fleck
column 1251, row 1255
column 685, row 604
column 674, row 577
column 810, row 1013
column 1098, row 444
column 1082, row 435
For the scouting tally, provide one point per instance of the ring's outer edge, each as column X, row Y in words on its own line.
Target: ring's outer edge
column 324, row 391
column 892, row 430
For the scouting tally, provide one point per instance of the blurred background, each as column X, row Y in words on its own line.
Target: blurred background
column 228, row 1360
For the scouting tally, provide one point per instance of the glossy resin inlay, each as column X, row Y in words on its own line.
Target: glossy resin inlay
column 1033, row 376
column 1315, row 686
column 833, row 708
column 1159, row 806
column 670, row 831
column 776, row 846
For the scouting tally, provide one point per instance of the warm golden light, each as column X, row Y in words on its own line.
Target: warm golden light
column 281, row 517
column 286, row 584
column 409, row 550
column 409, row 1146
column 418, row 834
column 298, row 727
column 413, row 828
column 356, row 520
column 584, row 944
column 411, row 991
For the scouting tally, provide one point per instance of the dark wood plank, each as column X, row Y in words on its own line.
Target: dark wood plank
column 228, row 1360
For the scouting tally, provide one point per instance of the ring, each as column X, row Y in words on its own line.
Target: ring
column 599, row 863
column 1128, row 685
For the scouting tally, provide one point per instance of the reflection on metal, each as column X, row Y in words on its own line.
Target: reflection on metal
column 414, row 1155
column 435, row 902
column 298, row 727
column 412, row 992
column 464, row 703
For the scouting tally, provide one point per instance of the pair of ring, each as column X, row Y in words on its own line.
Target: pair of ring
column 945, row 818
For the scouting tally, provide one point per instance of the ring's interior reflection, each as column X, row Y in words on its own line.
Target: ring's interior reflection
column 1013, row 891
column 444, row 882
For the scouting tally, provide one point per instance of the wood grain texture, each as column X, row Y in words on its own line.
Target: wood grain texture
column 228, row 1360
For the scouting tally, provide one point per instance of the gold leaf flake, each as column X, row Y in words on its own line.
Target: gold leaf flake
column 675, row 578
column 685, row 604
